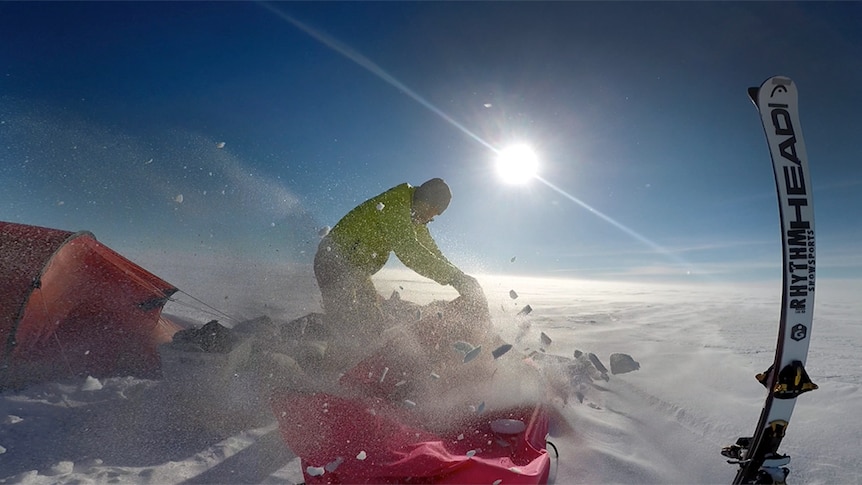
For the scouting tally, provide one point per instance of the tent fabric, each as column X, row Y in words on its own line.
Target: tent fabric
column 71, row 306
column 370, row 440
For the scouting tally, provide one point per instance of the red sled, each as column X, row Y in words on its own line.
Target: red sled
column 372, row 440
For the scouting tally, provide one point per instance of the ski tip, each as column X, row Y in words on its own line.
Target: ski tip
column 773, row 84
column 752, row 93
column 780, row 81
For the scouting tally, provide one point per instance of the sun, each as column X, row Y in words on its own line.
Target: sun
column 517, row 164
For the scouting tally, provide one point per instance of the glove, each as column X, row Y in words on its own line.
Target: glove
column 472, row 300
column 467, row 286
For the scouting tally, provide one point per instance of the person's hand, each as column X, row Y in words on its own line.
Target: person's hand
column 472, row 306
column 468, row 287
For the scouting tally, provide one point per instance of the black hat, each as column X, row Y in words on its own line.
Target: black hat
column 435, row 193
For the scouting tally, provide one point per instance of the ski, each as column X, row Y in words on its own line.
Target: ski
column 758, row 457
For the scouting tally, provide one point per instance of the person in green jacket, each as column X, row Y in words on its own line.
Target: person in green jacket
column 360, row 244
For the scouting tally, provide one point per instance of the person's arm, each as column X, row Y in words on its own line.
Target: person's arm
column 418, row 251
column 421, row 254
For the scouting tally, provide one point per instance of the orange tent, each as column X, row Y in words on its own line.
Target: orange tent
column 70, row 306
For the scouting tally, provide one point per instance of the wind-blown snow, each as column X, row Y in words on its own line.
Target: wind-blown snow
column 699, row 348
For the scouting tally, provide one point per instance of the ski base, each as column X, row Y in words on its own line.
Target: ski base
column 772, row 471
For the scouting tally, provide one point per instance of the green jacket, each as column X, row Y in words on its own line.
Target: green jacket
column 383, row 224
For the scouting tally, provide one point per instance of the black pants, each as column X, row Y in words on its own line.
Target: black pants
column 350, row 299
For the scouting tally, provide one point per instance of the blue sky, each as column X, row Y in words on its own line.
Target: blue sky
column 109, row 111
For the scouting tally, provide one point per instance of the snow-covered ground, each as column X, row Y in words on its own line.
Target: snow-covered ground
column 699, row 347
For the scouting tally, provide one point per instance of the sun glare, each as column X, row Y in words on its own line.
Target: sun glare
column 517, row 164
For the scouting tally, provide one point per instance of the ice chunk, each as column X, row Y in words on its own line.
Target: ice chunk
column 508, row 426
column 598, row 364
column 463, row 347
column 332, row 465
column 61, row 468
column 380, row 206
column 513, row 294
column 91, row 384
column 220, row 144
column 88, row 464
column 472, row 354
column 2, row 450
column 470, row 453
column 361, row 455
column 525, row 311
column 499, row 351
column 622, row 363
column 409, row 403
column 315, row 471
column 546, row 341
